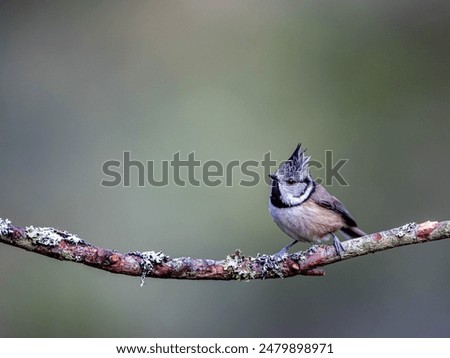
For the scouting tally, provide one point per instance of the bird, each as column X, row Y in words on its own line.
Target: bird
column 303, row 209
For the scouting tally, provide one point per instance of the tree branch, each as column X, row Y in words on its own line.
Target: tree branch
column 62, row 245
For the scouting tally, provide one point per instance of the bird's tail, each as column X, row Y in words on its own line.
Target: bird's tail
column 353, row 231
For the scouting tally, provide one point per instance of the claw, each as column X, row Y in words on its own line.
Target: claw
column 280, row 254
column 338, row 246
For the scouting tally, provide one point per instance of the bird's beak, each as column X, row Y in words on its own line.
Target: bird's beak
column 273, row 177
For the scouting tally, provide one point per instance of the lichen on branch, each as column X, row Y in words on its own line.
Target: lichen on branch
column 63, row 245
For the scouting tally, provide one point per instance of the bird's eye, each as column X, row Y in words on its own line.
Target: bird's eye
column 290, row 181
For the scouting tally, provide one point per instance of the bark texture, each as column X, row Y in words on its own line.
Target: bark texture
column 62, row 245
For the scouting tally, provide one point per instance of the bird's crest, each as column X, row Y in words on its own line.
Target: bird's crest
column 297, row 163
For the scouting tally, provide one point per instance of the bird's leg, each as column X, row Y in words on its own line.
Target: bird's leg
column 285, row 249
column 337, row 245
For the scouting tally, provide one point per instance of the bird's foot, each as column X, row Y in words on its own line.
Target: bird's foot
column 280, row 255
column 338, row 246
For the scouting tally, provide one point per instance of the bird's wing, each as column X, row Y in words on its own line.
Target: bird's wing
column 323, row 198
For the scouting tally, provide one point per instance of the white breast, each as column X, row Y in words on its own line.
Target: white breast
column 302, row 222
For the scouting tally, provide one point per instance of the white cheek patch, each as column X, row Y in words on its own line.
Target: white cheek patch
column 297, row 200
column 307, row 193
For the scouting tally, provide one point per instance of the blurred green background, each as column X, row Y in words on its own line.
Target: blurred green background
column 83, row 81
